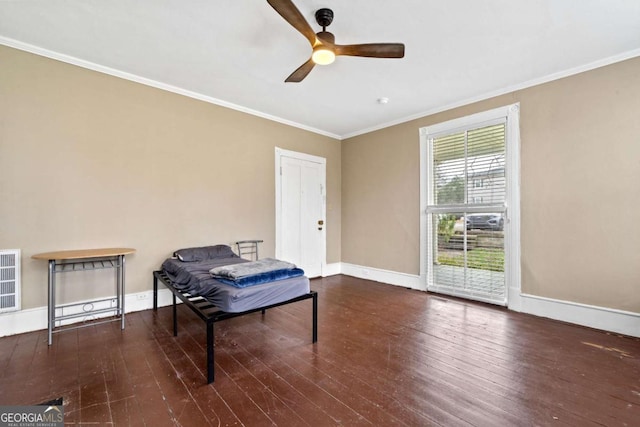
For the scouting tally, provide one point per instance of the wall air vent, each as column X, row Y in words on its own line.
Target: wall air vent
column 9, row 280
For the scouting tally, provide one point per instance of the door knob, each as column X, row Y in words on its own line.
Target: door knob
column 320, row 222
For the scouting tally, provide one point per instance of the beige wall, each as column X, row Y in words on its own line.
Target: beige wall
column 580, row 189
column 89, row 160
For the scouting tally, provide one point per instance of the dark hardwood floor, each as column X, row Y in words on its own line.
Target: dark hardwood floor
column 385, row 356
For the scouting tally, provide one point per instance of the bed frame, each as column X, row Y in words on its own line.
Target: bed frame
column 210, row 314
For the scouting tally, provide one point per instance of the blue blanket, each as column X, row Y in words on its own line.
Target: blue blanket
column 251, row 268
column 259, row 278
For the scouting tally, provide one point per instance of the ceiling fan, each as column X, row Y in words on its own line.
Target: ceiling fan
column 323, row 43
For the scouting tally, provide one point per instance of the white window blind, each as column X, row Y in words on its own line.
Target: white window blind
column 468, row 166
column 466, row 207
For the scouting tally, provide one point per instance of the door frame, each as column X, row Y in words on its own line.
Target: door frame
column 279, row 154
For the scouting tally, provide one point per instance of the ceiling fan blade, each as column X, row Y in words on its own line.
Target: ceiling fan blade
column 292, row 15
column 372, row 50
column 302, row 71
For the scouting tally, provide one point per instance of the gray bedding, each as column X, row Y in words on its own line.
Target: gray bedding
column 194, row 278
column 243, row 269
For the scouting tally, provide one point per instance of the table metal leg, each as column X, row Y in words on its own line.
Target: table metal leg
column 118, row 275
column 51, row 312
column 122, row 276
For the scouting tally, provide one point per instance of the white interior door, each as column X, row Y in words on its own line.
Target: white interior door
column 300, row 210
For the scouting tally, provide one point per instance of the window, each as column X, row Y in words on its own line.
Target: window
column 468, row 180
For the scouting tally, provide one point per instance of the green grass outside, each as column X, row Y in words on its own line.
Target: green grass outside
column 483, row 259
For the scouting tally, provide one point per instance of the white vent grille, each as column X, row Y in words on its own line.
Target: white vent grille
column 9, row 280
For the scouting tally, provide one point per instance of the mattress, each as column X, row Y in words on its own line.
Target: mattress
column 195, row 279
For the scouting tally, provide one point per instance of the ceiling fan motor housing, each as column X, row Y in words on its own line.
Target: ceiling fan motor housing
column 326, row 36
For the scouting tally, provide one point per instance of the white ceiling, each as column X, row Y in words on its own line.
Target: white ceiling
column 238, row 53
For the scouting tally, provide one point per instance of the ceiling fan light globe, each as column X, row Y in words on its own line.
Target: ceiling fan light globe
column 323, row 56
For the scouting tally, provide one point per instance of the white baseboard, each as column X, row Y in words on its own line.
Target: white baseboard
column 622, row 322
column 385, row 276
column 332, row 269
column 608, row 319
column 34, row 319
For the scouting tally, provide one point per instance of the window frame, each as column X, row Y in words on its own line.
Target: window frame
column 511, row 115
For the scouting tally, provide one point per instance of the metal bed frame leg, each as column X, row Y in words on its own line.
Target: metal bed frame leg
column 315, row 318
column 210, row 354
column 155, row 293
column 175, row 317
